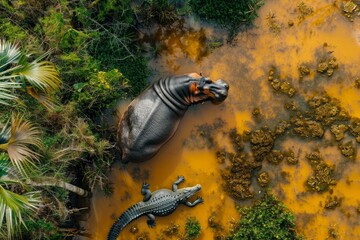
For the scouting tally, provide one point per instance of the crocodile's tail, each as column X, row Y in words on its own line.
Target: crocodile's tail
column 124, row 219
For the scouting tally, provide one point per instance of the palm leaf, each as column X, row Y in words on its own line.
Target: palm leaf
column 45, row 100
column 13, row 206
column 6, row 92
column 41, row 75
column 23, row 136
column 9, row 54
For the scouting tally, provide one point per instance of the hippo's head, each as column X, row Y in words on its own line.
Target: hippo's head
column 205, row 89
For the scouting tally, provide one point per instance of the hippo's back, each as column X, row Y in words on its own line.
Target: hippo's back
column 146, row 125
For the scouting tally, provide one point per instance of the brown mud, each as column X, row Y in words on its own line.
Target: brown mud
column 301, row 129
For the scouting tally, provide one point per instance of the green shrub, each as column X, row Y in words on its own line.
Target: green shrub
column 267, row 219
column 100, row 91
column 192, row 228
column 41, row 229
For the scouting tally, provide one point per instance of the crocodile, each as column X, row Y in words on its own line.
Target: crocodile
column 159, row 203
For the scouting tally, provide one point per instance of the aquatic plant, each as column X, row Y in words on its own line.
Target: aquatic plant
column 266, row 219
column 192, row 228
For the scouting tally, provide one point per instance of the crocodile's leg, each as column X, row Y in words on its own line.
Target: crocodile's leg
column 151, row 220
column 146, row 192
column 177, row 182
column 196, row 202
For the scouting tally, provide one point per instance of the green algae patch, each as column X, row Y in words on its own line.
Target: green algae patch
column 267, row 219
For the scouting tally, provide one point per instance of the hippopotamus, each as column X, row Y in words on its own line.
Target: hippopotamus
column 153, row 117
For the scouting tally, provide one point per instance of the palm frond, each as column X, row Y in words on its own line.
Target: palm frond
column 6, row 92
column 13, row 206
column 43, row 98
column 41, row 75
column 9, row 54
column 23, row 136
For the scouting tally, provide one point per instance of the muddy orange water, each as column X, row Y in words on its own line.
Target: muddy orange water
column 245, row 64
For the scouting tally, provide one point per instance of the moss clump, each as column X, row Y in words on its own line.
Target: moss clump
column 323, row 178
column 192, row 228
column 267, row 219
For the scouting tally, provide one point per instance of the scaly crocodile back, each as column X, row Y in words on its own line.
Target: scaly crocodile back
column 129, row 215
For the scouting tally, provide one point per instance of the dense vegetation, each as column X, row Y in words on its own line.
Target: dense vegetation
column 267, row 219
column 230, row 14
column 63, row 65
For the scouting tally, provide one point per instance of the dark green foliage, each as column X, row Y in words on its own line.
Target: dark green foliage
column 227, row 13
column 161, row 11
column 102, row 89
column 192, row 228
column 268, row 219
column 42, row 229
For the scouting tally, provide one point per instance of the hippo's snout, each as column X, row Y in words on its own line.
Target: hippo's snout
column 219, row 89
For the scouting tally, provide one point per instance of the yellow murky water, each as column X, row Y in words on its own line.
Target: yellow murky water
column 324, row 33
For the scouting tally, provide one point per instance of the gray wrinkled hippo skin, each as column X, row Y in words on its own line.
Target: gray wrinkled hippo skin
column 153, row 117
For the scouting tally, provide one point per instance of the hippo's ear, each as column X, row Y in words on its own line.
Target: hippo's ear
column 195, row 75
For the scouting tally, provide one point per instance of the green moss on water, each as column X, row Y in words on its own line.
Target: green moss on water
column 267, row 219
